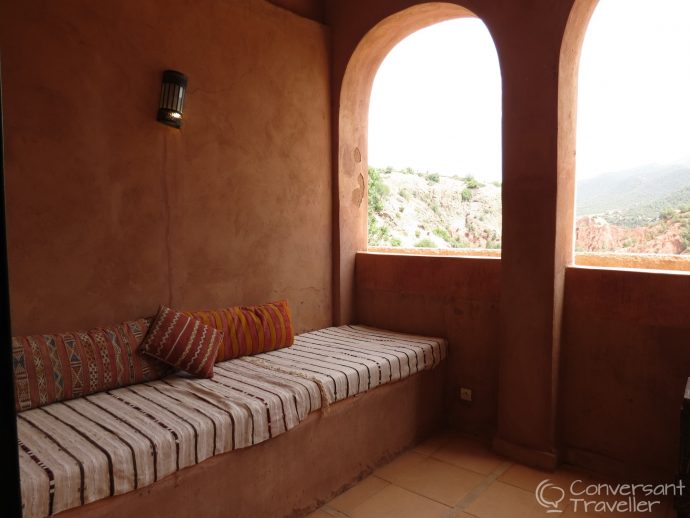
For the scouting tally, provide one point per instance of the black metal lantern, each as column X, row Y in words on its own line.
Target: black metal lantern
column 172, row 98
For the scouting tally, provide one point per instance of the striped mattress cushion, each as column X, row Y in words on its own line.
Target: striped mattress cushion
column 79, row 451
column 348, row 360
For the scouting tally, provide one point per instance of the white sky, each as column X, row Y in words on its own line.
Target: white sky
column 634, row 86
column 436, row 103
column 436, row 99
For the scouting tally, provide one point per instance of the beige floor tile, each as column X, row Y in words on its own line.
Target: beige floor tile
column 430, row 479
column 437, row 480
column 395, row 502
column 432, row 444
column 529, row 478
column 403, row 463
column 505, row 501
column 469, row 454
column 357, row 494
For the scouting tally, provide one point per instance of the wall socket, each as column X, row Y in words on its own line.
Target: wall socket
column 466, row 394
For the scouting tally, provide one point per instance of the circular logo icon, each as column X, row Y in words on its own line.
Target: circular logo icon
column 549, row 495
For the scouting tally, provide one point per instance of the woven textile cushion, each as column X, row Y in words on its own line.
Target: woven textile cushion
column 250, row 329
column 57, row 367
column 183, row 342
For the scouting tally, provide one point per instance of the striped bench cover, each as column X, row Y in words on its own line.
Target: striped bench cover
column 348, row 360
column 79, row 451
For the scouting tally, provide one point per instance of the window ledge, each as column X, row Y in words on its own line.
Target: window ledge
column 635, row 261
column 443, row 252
column 601, row 260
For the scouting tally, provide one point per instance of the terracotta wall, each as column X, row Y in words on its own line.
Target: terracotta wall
column 574, row 364
column 537, row 189
column 456, row 298
column 111, row 213
column 308, row 8
column 626, row 359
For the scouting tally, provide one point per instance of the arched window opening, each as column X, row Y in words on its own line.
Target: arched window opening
column 633, row 134
column 434, row 141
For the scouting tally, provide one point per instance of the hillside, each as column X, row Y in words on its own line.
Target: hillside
column 635, row 197
column 670, row 234
column 411, row 209
column 640, row 210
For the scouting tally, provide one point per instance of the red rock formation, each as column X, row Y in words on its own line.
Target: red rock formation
column 667, row 236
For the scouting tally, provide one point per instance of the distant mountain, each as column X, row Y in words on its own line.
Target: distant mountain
column 635, row 197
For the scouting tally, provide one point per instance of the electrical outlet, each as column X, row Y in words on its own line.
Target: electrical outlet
column 466, row 394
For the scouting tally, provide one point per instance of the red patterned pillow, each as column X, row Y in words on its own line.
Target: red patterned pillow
column 183, row 342
column 250, row 329
column 57, row 367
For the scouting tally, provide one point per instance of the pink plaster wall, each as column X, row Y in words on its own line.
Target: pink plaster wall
column 456, row 298
column 308, row 8
column 111, row 213
column 603, row 388
column 626, row 359
column 536, row 192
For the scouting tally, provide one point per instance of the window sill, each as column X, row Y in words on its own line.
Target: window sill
column 680, row 263
column 440, row 252
column 634, row 261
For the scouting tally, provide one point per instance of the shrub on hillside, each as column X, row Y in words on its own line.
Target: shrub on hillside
column 377, row 192
column 443, row 234
column 471, row 182
column 425, row 243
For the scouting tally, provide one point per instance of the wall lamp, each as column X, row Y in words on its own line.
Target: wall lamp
column 172, row 98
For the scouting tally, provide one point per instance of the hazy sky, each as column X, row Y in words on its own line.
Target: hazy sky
column 634, row 86
column 436, row 99
column 436, row 102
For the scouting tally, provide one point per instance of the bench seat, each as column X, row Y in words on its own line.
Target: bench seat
column 76, row 452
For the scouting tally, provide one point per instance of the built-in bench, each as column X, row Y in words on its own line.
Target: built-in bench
column 143, row 441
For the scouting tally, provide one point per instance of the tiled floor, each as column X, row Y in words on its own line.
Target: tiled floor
column 452, row 476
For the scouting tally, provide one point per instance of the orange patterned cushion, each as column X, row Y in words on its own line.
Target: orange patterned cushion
column 250, row 329
column 57, row 367
column 183, row 342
